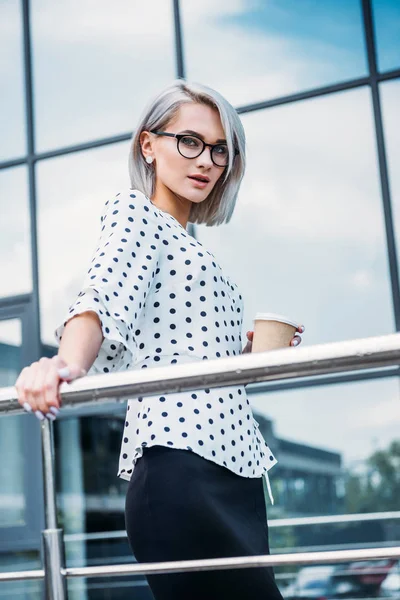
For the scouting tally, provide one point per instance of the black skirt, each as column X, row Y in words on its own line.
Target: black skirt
column 181, row 506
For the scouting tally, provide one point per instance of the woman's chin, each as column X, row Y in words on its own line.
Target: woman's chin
column 185, row 195
column 196, row 194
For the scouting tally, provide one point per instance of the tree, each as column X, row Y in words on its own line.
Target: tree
column 379, row 487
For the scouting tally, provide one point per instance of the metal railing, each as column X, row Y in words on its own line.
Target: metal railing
column 322, row 359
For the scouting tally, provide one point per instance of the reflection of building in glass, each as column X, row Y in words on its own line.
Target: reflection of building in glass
column 305, row 478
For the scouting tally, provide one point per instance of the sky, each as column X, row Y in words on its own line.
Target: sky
column 309, row 216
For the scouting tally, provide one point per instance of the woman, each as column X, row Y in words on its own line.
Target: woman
column 155, row 296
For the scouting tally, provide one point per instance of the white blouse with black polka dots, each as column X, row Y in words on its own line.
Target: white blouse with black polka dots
column 162, row 298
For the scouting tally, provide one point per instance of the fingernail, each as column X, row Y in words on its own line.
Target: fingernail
column 27, row 407
column 54, row 410
column 295, row 343
column 64, row 372
column 39, row 415
column 50, row 417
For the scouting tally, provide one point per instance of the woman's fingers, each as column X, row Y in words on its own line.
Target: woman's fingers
column 247, row 348
column 297, row 338
column 22, row 389
column 27, row 386
column 41, row 387
column 295, row 341
column 38, row 385
column 51, row 396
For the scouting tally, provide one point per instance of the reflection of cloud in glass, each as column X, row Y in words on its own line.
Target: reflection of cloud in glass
column 15, row 244
column 12, row 123
column 307, row 237
column 72, row 191
column 10, row 333
column 93, row 73
column 252, row 51
column 351, row 418
column 390, row 94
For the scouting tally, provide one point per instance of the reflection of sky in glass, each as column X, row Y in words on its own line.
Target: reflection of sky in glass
column 390, row 95
column 353, row 419
column 72, row 191
column 255, row 50
column 95, row 66
column 386, row 15
column 15, row 244
column 12, row 117
column 309, row 220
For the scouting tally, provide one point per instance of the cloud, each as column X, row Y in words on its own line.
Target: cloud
column 99, row 23
column 352, row 419
column 69, row 223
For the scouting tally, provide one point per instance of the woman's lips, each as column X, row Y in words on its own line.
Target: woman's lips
column 197, row 183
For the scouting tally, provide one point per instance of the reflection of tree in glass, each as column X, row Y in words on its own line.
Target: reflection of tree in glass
column 379, row 488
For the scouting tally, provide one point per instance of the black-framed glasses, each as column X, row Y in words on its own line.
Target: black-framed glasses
column 191, row 146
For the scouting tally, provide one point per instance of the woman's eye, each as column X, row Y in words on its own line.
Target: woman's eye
column 221, row 150
column 189, row 141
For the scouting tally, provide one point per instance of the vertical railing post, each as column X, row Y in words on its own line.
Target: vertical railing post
column 52, row 537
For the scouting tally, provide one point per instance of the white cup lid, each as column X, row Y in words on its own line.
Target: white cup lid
column 274, row 317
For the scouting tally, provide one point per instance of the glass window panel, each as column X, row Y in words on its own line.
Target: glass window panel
column 387, row 33
column 21, row 590
column 15, row 242
column 91, row 498
column 72, row 190
column 12, row 106
column 117, row 588
column 96, row 64
column 256, row 50
column 91, row 501
column 12, row 495
column 309, row 220
column 390, row 95
column 337, row 448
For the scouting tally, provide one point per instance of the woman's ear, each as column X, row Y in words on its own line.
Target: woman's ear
column 146, row 143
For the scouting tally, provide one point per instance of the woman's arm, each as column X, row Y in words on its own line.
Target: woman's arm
column 81, row 340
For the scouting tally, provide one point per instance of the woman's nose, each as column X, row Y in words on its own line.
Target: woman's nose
column 205, row 159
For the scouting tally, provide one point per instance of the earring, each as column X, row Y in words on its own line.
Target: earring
column 149, row 159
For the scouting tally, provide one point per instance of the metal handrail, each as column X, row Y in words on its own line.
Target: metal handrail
column 353, row 355
column 215, row 564
column 288, row 363
column 274, row 523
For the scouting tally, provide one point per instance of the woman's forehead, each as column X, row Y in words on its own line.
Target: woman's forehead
column 201, row 118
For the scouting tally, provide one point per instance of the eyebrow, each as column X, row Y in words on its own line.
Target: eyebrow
column 200, row 136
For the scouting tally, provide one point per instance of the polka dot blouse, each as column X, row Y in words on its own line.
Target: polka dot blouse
column 163, row 299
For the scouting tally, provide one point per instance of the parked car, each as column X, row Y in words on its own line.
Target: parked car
column 321, row 583
column 341, row 581
column 390, row 587
column 370, row 573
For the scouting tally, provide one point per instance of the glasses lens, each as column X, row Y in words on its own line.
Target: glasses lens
column 190, row 147
column 220, row 155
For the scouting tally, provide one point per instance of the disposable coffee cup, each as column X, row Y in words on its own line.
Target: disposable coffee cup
column 272, row 331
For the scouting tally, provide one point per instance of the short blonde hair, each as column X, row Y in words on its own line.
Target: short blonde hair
column 219, row 205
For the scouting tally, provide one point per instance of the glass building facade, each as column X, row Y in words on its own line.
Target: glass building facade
column 316, row 236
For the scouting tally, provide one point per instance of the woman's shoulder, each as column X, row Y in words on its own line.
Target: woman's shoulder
column 128, row 200
column 129, row 194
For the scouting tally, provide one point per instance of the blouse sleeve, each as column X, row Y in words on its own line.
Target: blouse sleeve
column 121, row 273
